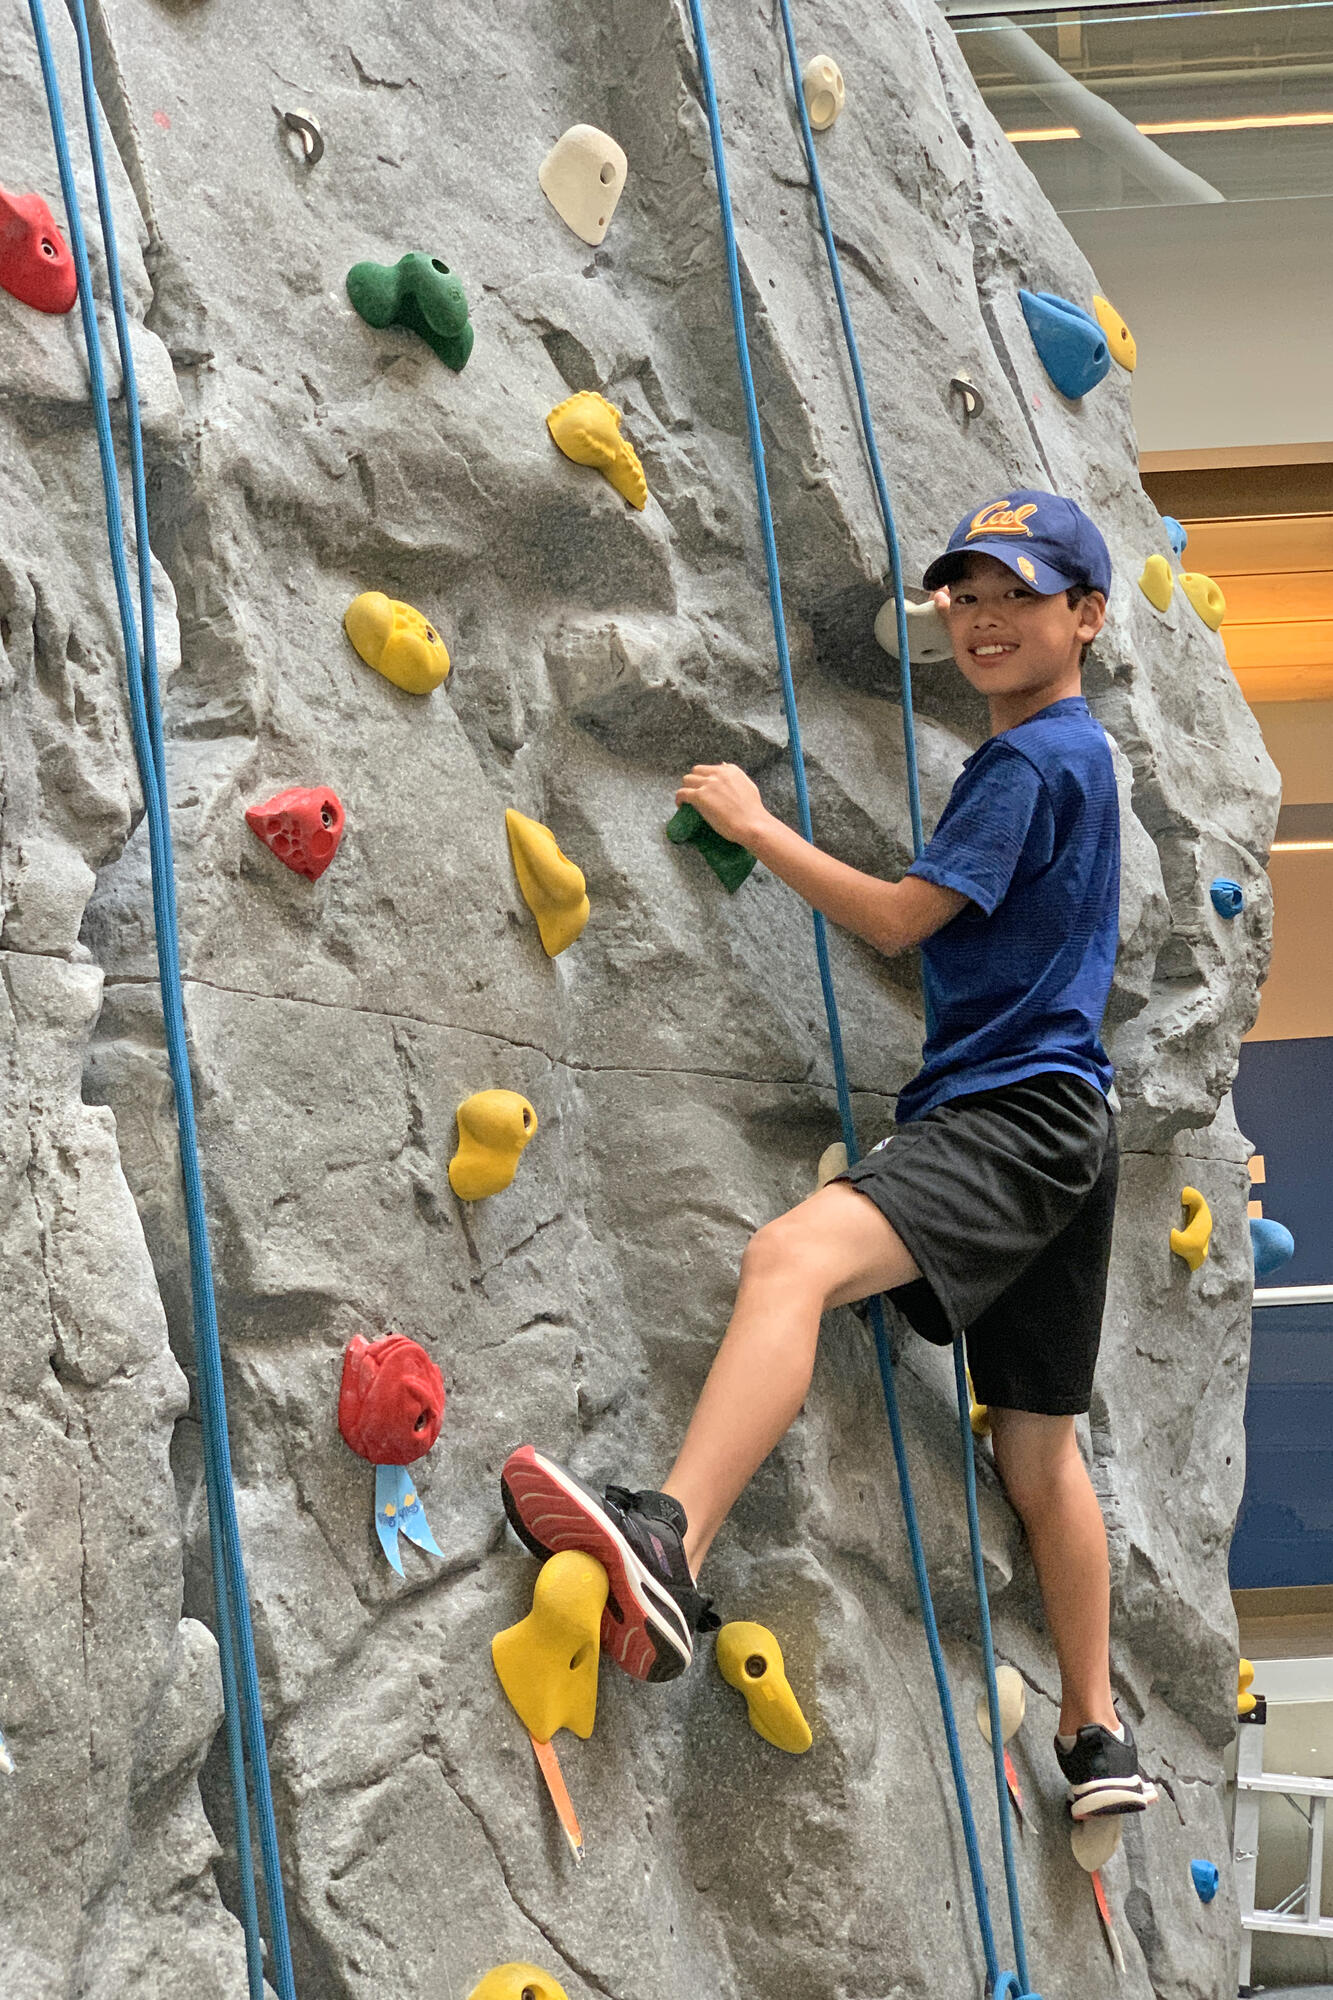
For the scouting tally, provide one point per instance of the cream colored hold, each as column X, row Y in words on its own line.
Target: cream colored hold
column 927, row 634
column 583, row 177
column 1094, row 1841
column 832, row 1162
column 824, row 91
column 1013, row 1704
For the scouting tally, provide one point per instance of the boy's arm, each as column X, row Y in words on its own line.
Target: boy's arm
column 892, row 916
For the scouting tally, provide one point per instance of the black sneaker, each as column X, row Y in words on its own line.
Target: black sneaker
column 1103, row 1773
column 653, row 1609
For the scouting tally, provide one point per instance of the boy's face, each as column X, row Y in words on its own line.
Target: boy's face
column 1007, row 638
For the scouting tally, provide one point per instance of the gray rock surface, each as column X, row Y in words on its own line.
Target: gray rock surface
column 675, row 1055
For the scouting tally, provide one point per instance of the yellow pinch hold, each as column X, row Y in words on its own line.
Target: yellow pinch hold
column 553, row 887
column 749, row 1659
column 1205, row 595
column 493, row 1128
column 1119, row 340
column 587, row 429
column 1157, row 582
column 397, row 641
column 1192, row 1241
column 547, row 1663
column 518, row 1982
column 979, row 1413
column 1246, row 1702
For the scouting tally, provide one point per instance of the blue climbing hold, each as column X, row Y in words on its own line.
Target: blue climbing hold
column 1204, row 1874
column 1228, row 897
column 1178, row 538
column 1273, row 1245
column 1070, row 345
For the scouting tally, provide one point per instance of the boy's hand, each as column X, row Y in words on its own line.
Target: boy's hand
column 728, row 800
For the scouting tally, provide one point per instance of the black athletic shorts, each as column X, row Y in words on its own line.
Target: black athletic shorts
column 1005, row 1199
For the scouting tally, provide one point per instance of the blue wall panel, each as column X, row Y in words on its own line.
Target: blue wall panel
column 1284, row 1104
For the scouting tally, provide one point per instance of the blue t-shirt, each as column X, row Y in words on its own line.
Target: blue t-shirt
column 1017, row 981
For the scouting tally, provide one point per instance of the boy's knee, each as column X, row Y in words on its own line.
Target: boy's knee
column 781, row 1248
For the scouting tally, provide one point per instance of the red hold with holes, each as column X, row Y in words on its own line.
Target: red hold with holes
column 302, row 827
column 35, row 260
column 391, row 1403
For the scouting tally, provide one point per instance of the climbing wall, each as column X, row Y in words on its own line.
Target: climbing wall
column 675, row 1054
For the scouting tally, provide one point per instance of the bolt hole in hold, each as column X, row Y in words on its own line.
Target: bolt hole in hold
column 756, row 1666
column 49, row 248
column 608, row 174
column 443, row 269
column 527, row 1119
column 326, row 814
column 528, row 1993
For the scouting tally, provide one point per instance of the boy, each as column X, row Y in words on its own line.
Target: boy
column 988, row 1212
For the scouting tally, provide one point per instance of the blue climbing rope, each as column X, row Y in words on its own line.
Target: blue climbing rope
column 909, row 732
column 1002, row 1985
column 243, row 1710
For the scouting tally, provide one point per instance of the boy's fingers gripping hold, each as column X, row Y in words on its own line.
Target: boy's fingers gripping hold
column 728, row 800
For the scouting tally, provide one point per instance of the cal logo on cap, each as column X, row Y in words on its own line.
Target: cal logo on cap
column 1002, row 519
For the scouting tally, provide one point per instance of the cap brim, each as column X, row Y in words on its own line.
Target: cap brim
column 1047, row 582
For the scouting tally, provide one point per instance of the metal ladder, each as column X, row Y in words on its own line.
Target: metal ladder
column 1297, row 1915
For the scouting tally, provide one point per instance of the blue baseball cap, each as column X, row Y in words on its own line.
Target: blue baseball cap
column 1043, row 538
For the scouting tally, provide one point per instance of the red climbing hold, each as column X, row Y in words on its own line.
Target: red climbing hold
column 35, row 261
column 302, row 827
column 391, row 1403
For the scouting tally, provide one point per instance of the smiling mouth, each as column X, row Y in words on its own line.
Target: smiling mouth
column 993, row 651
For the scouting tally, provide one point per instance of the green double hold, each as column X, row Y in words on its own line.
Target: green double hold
column 729, row 861
column 420, row 293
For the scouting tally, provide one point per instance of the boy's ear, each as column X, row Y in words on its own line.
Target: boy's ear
column 1091, row 616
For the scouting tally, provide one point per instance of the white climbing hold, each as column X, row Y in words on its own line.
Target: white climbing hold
column 582, row 177
column 824, row 91
column 1013, row 1703
column 927, row 634
column 1094, row 1841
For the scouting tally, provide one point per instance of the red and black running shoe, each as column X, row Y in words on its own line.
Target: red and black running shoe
column 653, row 1609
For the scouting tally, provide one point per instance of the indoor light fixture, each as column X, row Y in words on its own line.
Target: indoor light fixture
column 1156, row 129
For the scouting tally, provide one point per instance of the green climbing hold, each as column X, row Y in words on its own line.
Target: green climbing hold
column 729, row 861
column 420, row 293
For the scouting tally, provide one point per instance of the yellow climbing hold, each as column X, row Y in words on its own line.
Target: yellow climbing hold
column 979, row 1412
column 518, row 1982
column 1119, row 339
column 1157, row 582
column 493, row 1128
column 397, row 641
column 1192, row 1241
column 1246, row 1703
column 832, row 1162
column 749, row 1658
column 553, row 888
column 547, row 1663
column 1205, row 596
column 587, row 429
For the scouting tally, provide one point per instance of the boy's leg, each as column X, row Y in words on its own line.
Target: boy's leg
column 1043, row 1472
column 832, row 1249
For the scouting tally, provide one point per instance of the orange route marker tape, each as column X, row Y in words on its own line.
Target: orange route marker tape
column 560, row 1799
